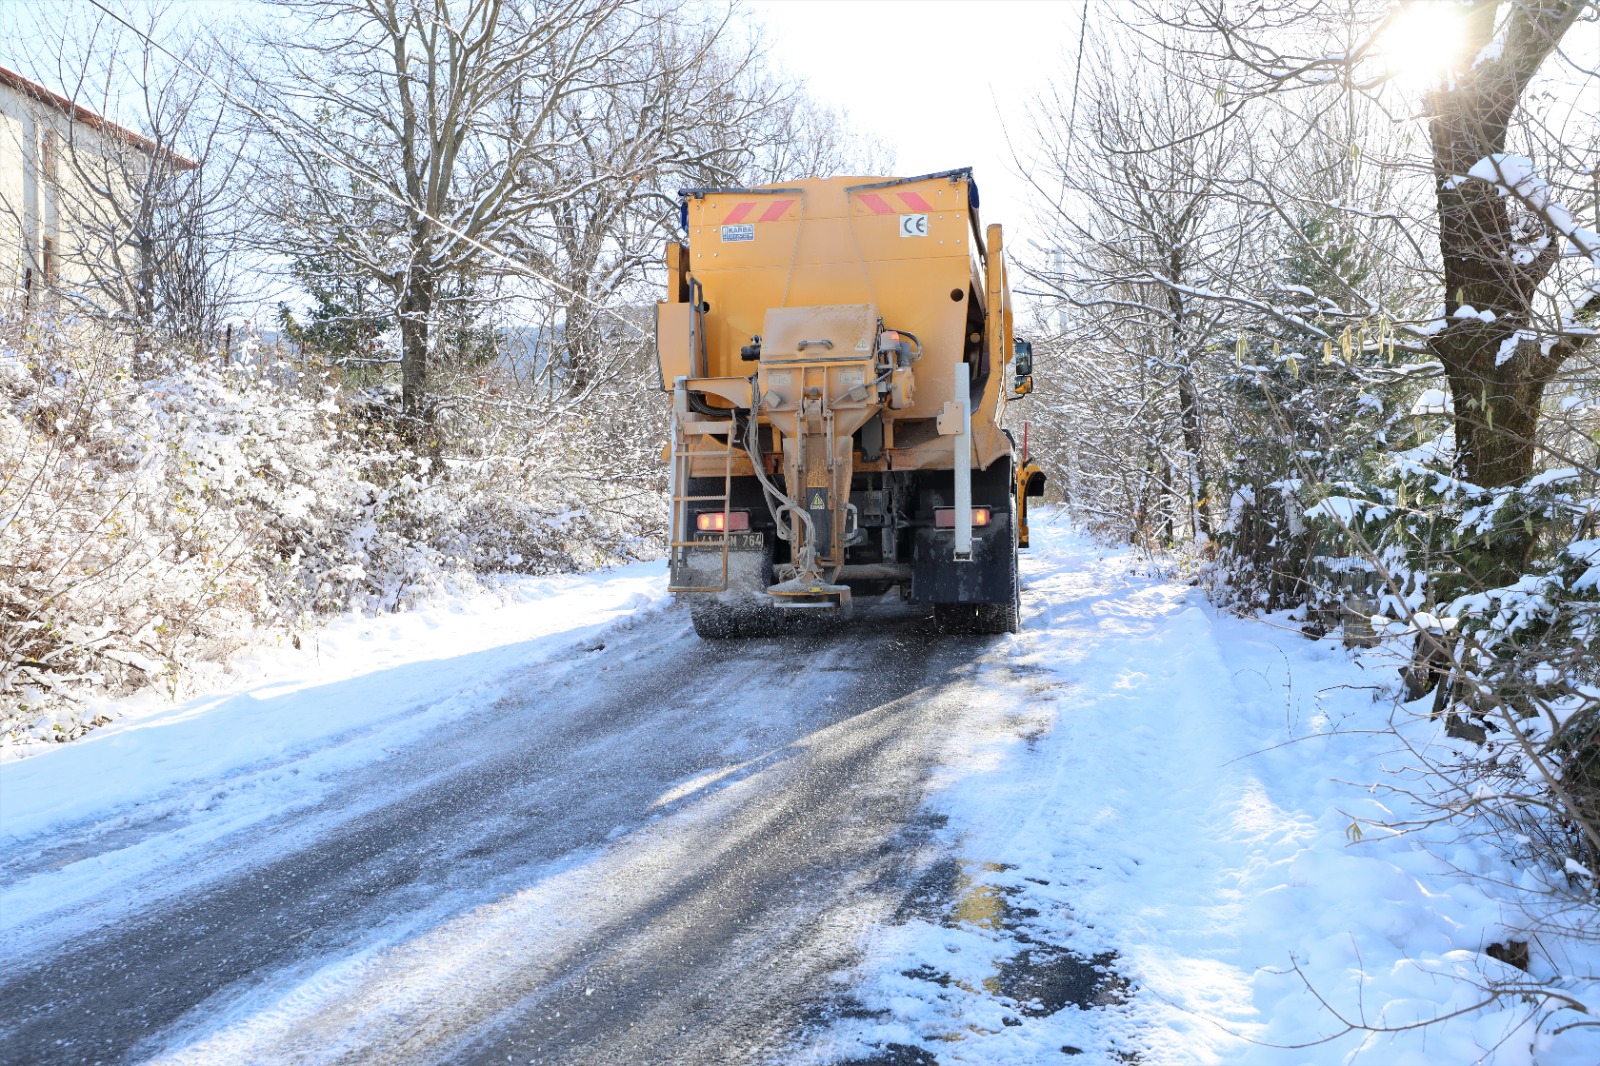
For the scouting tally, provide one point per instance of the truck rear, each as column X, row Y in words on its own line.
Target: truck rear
column 839, row 354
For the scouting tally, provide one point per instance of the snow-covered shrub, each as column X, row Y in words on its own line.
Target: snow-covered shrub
column 1512, row 729
column 153, row 520
column 1512, row 667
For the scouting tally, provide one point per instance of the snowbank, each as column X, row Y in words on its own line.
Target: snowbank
column 1177, row 841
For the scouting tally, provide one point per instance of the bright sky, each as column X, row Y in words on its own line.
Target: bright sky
column 945, row 82
column 942, row 82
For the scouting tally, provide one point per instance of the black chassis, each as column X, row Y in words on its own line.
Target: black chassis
column 895, row 526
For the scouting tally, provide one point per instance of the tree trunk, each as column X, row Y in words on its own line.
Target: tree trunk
column 1189, row 405
column 416, row 310
column 579, row 333
column 1496, row 396
column 1497, row 383
column 1197, row 474
column 144, row 299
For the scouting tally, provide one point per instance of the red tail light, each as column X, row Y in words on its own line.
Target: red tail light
column 722, row 521
column 945, row 517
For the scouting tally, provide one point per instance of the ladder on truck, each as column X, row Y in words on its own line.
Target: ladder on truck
column 680, row 544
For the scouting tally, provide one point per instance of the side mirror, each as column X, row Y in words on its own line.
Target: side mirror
column 1022, row 353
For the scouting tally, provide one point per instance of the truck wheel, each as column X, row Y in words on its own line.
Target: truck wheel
column 1005, row 617
column 1001, row 617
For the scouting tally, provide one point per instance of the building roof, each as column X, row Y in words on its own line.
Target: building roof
column 79, row 113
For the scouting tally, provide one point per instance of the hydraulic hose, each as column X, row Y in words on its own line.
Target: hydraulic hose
column 770, row 492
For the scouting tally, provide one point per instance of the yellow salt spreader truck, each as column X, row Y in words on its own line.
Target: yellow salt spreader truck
column 839, row 356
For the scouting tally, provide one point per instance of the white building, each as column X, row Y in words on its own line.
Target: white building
column 64, row 171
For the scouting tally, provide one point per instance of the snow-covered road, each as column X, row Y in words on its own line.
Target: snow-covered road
column 565, row 830
column 644, row 848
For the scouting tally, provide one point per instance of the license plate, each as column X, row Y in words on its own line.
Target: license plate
column 736, row 541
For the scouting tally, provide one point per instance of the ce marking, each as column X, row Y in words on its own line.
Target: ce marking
column 913, row 225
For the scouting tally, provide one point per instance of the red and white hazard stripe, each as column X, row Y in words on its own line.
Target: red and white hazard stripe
column 741, row 211
column 879, row 206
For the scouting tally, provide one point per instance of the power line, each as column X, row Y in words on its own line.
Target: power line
column 372, row 183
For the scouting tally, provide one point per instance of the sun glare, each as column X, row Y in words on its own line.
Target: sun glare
column 1424, row 39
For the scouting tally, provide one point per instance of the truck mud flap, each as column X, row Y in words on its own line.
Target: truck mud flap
column 937, row 578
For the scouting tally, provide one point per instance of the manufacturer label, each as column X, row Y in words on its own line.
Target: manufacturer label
column 910, row 226
column 851, row 378
column 747, row 232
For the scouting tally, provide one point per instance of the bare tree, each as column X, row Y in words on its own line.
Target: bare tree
column 691, row 104
column 1137, row 208
column 678, row 101
column 440, row 112
column 1511, row 312
column 1499, row 238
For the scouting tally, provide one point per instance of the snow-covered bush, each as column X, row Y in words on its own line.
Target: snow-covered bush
column 1299, row 427
column 1511, row 734
column 156, row 519
column 1511, row 667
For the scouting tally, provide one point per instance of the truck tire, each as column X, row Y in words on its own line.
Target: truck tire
column 1001, row 617
column 1005, row 617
